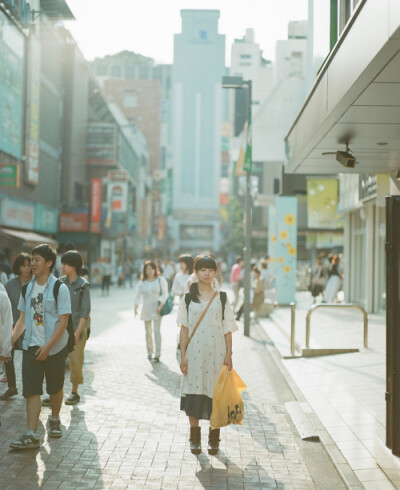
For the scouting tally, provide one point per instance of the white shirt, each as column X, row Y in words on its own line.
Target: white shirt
column 37, row 309
column 180, row 284
column 151, row 294
column 6, row 325
column 168, row 271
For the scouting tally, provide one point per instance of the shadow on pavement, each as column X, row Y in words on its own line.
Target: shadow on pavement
column 167, row 379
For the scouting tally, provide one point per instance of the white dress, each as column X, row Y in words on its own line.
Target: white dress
column 150, row 294
column 207, row 350
column 180, row 284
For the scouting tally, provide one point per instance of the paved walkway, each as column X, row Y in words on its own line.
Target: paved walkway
column 128, row 432
column 346, row 391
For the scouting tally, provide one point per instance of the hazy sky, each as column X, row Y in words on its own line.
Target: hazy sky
column 147, row 26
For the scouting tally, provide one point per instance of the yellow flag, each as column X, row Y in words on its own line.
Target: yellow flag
column 239, row 168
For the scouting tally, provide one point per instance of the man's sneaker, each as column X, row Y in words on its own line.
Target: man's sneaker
column 54, row 427
column 46, row 402
column 9, row 393
column 27, row 441
column 72, row 399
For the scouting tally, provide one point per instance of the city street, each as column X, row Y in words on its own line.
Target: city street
column 128, row 432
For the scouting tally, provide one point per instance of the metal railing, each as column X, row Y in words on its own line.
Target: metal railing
column 335, row 305
column 292, row 325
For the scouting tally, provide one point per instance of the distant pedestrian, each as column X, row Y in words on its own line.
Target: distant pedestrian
column 334, row 281
column 44, row 319
column 4, row 264
column 128, row 273
column 318, row 278
column 211, row 347
column 106, row 278
column 180, row 284
column 152, row 293
column 79, row 290
column 236, row 279
column 21, row 268
column 168, row 271
column 257, row 294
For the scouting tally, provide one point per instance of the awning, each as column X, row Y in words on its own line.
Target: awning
column 355, row 99
column 29, row 237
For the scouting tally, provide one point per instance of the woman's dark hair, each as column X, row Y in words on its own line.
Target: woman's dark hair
column 20, row 260
column 188, row 261
column 45, row 251
column 201, row 262
column 239, row 259
column 143, row 277
column 73, row 258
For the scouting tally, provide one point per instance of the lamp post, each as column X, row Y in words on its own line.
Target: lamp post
column 239, row 83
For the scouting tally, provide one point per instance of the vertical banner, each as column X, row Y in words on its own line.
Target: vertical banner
column 96, row 201
column 286, row 248
column 322, row 201
column 118, row 196
column 272, row 241
column 33, row 113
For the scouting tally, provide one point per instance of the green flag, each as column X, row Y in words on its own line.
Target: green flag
column 248, row 159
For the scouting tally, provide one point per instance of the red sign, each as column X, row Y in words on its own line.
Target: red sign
column 96, row 200
column 73, row 222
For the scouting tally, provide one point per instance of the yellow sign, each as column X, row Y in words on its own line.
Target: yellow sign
column 322, row 201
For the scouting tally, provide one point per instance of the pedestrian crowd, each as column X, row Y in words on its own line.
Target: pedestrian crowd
column 48, row 318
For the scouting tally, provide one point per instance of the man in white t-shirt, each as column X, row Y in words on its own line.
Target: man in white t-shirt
column 44, row 317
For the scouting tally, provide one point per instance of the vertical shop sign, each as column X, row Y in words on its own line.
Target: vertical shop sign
column 96, row 201
column 32, row 113
column 118, row 196
column 286, row 250
column 169, row 192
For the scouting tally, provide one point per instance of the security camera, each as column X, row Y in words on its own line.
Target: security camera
column 346, row 159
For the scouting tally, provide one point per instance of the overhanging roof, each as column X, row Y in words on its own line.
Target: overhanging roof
column 356, row 99
column 29, row 237
column 56, row 9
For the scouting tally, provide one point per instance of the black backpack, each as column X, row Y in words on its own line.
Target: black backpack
column 222, row 296
column 70, row 327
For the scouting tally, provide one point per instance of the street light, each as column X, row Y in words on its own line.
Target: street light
column 239, row 83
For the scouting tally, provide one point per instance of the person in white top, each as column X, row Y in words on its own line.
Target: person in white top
column 6, row 325
column 180, row 284
column 152, row 293
column 168, row 271
column 211, row 347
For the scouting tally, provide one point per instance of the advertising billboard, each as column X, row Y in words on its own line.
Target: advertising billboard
column 11, row 87
column 101, row 144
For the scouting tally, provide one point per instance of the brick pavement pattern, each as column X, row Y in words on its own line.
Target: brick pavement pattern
column 128, row 432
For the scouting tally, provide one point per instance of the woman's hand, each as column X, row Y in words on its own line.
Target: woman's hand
column 228, row 361
column 184, row 365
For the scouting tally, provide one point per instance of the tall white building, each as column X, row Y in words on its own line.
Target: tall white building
column 198, row 68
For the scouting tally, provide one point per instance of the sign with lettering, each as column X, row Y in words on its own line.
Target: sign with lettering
column 17, row 214
column 9, row 175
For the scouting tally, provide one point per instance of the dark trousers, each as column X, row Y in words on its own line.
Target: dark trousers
column 10, row 372
column 105, row 286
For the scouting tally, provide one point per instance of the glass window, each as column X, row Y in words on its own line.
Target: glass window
column 130, row 100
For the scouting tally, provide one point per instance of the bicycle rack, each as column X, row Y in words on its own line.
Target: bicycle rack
column 307, row 352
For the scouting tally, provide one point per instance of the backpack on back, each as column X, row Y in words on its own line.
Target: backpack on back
column 70, row 327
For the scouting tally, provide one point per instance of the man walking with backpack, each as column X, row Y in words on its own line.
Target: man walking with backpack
column 44, row 316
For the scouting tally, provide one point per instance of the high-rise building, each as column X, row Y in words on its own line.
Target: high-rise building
column 199, row 64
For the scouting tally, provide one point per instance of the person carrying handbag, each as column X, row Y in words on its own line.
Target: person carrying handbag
column 206, row 344
column 152, row 294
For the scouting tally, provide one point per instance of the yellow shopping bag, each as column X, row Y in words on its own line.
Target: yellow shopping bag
column 227, row 401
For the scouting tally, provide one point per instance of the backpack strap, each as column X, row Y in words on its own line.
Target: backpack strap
column 222, row 296
column 56, row 288
column 23, row 289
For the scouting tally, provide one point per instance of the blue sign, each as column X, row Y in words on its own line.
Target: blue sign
column 286, row 249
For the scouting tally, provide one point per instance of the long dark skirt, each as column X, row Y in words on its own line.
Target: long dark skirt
column 197, row 406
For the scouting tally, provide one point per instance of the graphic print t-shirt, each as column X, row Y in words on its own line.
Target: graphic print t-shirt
column 37, row 310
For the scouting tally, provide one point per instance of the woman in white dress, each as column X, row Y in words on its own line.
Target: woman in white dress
column 180, row 283
column 210, row 348
column 152, row 293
